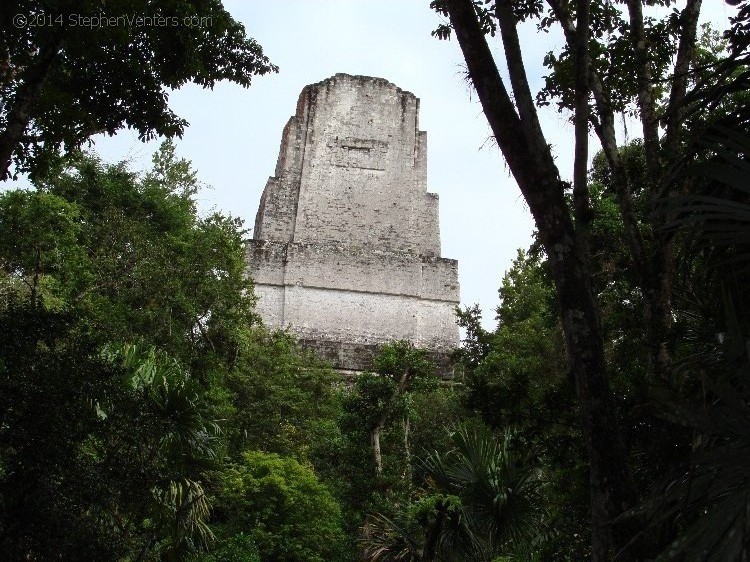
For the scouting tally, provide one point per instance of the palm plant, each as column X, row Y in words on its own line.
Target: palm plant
column 708, row 504
column 480, row 499
column 171, row 450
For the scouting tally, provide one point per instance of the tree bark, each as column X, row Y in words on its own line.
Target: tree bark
column 531, row 163
column 646, row 101
column 407, row 451
column 28, row 92
column 659, row 285
column 379, row 424
column 581, row 200
column 604, row 127
column 652, row 262
column 524, row 101
column 378, row 457
column 685, row 56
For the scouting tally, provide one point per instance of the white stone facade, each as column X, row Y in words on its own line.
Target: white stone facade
column 347, row 240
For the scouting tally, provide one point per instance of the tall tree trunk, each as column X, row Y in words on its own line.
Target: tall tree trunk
column 600, row 539
column 530, row 161
column 652, row 262
column 604, row 126
column 645, row 86
column 28, row 92
column 660, row 283
column 581, row 200
column 685, row 56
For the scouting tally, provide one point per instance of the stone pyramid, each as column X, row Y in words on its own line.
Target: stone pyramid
column 346, row 248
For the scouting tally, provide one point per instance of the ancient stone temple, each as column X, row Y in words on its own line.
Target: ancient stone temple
column 346, row 248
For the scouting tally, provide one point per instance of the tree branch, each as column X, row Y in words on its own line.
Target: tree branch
column 685, row 55
column 525, row 106
column 581, row 203
column 604, row 127
column 646, row 101
column 380, row 422
column 19, row 114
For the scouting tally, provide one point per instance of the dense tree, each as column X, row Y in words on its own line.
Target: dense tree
column 283, row 400
column 73, row 69
column 106, row 441
column 707, row 495
column 280, row 504
column 590, row 80
column 521, row 381
column 415, row 422
column 102, row 455
column 478, row 500
column 133, row 257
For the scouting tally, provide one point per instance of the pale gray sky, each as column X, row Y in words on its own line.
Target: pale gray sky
column 234, row 133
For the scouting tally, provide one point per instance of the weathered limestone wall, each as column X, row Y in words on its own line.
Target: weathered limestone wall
column 346, row 236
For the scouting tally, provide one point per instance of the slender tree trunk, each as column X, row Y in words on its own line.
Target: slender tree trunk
column 28, row 92
column 601, row 541
column 685, row 56
column 604, row 126
column 660, row 283
column 379, row 424
column 581, row 200
column 37, row 272
column 646, row 100
column 652, row 262
column 375, row 441
column 663, row 282
column 407, row 451
column 531, row 163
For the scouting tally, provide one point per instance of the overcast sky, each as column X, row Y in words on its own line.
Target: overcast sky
column 234, row 134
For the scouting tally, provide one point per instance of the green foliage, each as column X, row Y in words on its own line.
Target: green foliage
column 146, row 265
column 280, row 504
column 47, row 481
column 501, row 494
column 431, row 411
column 611, row 51
column 396, row 358
column 283, row 400
column 36, row 231
column 238, row 548
column 477, row 500
column 107, row 76
column 123, row 312
column 120, row 442
column 382, row 401
column 415, row 418
column 522, row 379
column 707, row 497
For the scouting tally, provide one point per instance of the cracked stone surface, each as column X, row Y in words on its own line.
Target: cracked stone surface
column 346, row 248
